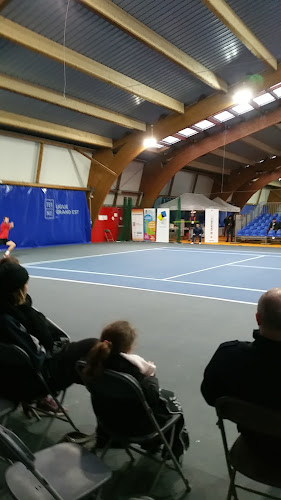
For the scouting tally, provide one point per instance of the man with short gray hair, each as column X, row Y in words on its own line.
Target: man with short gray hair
column 250, row 371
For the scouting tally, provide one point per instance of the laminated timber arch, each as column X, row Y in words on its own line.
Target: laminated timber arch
column 243, row 176
column 241, row 197
column 156, row 174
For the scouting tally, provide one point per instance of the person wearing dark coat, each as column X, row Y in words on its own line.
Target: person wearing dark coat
column 114, row 351
column 274, row 226
column 24, row 326
column 250, row 371
column 230, row 227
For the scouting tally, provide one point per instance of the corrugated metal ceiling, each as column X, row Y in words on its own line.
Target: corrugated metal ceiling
column 96, row 38
column 40, row 110
column 21, row 63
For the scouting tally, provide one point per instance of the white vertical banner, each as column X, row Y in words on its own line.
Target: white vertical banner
column 211, row 225
column 163, row 225
column 137, row 224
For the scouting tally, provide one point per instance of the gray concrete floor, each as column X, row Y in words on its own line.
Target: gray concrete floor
column 179, row 334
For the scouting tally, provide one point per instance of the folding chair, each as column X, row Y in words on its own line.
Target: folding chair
column 117, row 398
column 250, row 459
column 108, row 235
column 63, row 471
column 14, row 361
column 6, row 407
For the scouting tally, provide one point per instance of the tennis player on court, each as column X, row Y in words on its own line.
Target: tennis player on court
column 4, row 236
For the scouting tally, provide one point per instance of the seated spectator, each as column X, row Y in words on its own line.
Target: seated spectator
column 250, row 371
column 114, row 351
column 29, row 329
column 197, row 232
column 274, row 226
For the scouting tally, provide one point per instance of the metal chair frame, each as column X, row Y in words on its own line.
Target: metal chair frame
column 232, row 471
column 159, row 431
column 18, row 453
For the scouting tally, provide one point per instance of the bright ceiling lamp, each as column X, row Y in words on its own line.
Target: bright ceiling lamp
column 170, row 140
column 243, row 96
column 150, row 141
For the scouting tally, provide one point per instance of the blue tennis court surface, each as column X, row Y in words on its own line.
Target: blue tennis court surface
column 230, row 275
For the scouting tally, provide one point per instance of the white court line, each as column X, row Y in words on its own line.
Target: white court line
column 143, row 278
column 146, row 290
column 213, row 267
column 86, row 256
column 259, row 267
column 222, row 252
column 96, row 272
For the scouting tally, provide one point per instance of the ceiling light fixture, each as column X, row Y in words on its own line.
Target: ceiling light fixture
column 243, row 96
column 150, row 141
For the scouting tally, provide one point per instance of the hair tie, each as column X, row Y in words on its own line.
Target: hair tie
column 106, row 341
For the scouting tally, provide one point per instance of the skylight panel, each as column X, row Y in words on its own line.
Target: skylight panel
column 277, row 92
column 263, row 99
column 170, row 139
column 242, row 108
column 188, row 132
column 204, row 124
column 223, row 116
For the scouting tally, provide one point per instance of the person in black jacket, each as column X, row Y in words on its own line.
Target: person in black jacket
column 274, row 226
column 114, row 351
column 250, row 370
column 24, row 326
column 230, row 227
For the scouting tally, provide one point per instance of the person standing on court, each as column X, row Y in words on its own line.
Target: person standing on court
column 197, row 232
column 230, row 226
column 4, row 236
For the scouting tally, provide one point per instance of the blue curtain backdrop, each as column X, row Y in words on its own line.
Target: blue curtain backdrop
column 45, row 216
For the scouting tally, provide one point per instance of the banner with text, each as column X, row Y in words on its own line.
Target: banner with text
column 149, row 215
column 163, row 225
column 137, row 224
column 45, row 216
column 211, row 225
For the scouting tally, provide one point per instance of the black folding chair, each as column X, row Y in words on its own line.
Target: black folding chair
column 64, row 471
column 117, row 398
column 250, row 454
column 6, row 407
column 14, row 361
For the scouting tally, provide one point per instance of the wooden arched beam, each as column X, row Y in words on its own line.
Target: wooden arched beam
column 157, row 173
column 241, row 176
column 245, row 192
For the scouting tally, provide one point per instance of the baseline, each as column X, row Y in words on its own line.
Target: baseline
column 146, row 290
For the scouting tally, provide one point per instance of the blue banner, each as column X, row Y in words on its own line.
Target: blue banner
column 45, row 216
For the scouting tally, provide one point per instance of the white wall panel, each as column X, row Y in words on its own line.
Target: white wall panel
column 165, row 189
column 65, row 167
column 18, row 159
column 183, row 183
column 204, row 185
column 254, row 199
column 264, row 195
column 109, row 200
column 131, row 177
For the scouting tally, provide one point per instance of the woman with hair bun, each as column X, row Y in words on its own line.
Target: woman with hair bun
column 115, row 351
